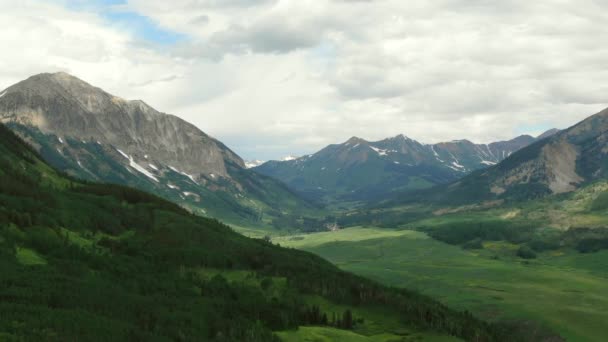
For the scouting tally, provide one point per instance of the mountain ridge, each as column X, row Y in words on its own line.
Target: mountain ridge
column 559, row 163
column 363, row 170
column 91, row 134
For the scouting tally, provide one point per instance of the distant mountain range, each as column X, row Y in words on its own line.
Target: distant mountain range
column 90, row 134
column 253, row 163
column 362, row 170
column 256, row 162
column 560, row 163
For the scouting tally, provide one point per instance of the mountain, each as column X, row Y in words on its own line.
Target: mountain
column 548, row 133
column 253, row 163
column 559, row 163
column 82, row 261
column 90, row 134
column 361, row 170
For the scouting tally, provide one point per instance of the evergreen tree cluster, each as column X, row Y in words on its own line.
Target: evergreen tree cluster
column 82, row 261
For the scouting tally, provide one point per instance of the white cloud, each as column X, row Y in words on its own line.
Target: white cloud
column 273, row 77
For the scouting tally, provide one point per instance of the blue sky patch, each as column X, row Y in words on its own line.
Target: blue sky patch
column 141, row 26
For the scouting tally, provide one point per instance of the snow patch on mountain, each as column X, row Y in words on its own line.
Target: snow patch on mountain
column 289, row 158
column 123, row 154
column 153, row 167
column 380, row 152
column 141, row 169
column 192, row 194
column 2, row 94
column 436, row 154
column 184, row 174
column 253, row 163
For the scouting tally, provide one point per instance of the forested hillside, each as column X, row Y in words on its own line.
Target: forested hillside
column 82, row 261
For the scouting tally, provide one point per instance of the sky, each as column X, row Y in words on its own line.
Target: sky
column 272, row 78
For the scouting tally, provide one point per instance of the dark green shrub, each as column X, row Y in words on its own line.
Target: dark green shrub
column 591, row 245
column 473, row 244
column 526, row 252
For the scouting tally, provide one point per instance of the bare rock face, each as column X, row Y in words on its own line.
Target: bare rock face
column 89, row 134
column 66, row 106
column 558, row 162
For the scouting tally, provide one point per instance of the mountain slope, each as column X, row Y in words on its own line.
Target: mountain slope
column 90, row 134
column 86, row 261
column 363, row 170
column 560, row 163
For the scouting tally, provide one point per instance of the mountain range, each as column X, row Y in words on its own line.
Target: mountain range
column 560, row 163
column 360, row 170
column 93, row 135
column 84, row 257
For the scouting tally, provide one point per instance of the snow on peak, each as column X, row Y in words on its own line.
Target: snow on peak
column 487, row 162
column 380, row 152
column 289, row 157
column 253, row 163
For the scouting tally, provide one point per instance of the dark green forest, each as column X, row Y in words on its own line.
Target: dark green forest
column 83, row 261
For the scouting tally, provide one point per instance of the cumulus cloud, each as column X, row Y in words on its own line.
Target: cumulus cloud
column 274, row 77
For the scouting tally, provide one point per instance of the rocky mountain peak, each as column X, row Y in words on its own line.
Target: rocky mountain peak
column 66, row 106
column 548, row 133
column 355, row 140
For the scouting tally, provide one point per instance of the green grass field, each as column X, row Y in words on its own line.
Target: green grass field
column 562, row 290
column 29, row 257
column 319, row 334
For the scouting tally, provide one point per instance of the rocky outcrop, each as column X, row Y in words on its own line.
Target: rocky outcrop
column 66, row 106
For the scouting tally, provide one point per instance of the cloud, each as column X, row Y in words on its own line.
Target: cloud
column 274, row 77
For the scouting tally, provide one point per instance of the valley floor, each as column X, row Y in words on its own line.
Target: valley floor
column 564, row 290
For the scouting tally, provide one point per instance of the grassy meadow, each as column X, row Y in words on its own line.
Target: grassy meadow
column 563, row 290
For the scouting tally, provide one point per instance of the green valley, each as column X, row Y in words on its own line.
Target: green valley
column 86, row 261
column 563, row 290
